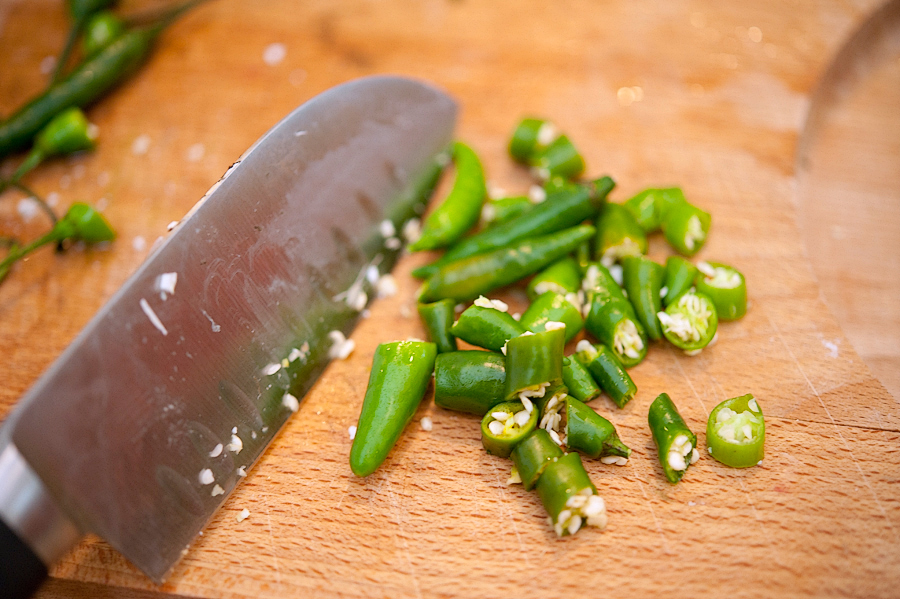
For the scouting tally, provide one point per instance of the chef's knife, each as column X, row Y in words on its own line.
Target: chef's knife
column 146, row 423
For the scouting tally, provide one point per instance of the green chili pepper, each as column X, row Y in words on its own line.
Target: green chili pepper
column 611, row 318
column 534, row 365
column 559, row 159
column 438, row 318
column 680, row 276
column 530, row 136
column 676, row 443
column 725, row 286
column 583, row 257
column 100, row 31
column 549, row 308
column 486, row 327
column 562, row 277
column 81, row 222
column 649, row 207
column 400, row 374
column 608, row 371
column 470, row 277
column 461, row 208
column 736, row 432
column 67, row 133
column 532, row 455
column 564, row 209
column 569, row 496
column 643, row 278
column 505, row 426
column 618, row 235
column 592, row 434
column 470, row 381
column 90, row 80
column 80, row 11
column 578, row 380
column 686, row 227
column 501, row 210
column 690, row 322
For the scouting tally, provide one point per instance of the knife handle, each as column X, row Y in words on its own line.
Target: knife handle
column 21, row 571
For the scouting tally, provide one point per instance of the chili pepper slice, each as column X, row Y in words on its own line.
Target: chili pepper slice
column 611, row 318
column 81, row 11
column 534, row 365
column 486, row 326
column 469, row 381
column 531, row 136
column 562, row 277
column 690, row 322
column 725, row 286
column 476, row 275
column 400, row 374
column 438, row 318
column 505, row 426
column 578, row 380
column 569, row 496
column 501, row 210
column 532, row 455
column 676, row 444
column 549, row 310
column 100, row 31
column 592, row 434
column 736, row 432
column 643, row 278
column 607, row 370
column 583, row 256
column 686, row 227
column 680, row 276
column 559, row 159
column 650, row 205
column 461, row 208
column 618, row 235
column 564, row 209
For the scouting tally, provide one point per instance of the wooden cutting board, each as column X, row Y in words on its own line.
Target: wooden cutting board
column 711, row 96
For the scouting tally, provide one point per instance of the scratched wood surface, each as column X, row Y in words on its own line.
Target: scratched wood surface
column 708, row 95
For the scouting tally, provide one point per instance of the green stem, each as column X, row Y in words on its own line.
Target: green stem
column 17, row 253
column 67, row 49
column 40, row 201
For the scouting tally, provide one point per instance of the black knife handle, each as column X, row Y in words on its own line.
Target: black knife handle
column 21, row 571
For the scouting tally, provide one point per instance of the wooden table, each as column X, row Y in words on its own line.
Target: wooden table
column 712, row 96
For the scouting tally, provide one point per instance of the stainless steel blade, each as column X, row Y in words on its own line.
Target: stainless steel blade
column 164, row 397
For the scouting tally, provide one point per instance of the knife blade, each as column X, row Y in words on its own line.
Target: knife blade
column 149, row 419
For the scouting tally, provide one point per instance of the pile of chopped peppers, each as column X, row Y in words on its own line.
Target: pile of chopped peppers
column 582, row 262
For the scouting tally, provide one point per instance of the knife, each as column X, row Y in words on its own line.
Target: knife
column 154, row 413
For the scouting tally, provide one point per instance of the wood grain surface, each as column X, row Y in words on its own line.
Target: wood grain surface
column 711, row 96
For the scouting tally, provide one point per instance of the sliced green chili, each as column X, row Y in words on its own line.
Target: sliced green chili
column 611, row 318
column 618, row 235
column 559, row 159
column 592, row 434
column 686, row 227
column 470, row 277
column 649, row 207
column 680, row 275
column 100, row 31
column 643, row 279
column 690, row 322
column 469, row 381
column 736, row 432
column 501, row 210
column 81, row 11
column 608, row 371
column 485, row 326
column 578, row 380
column 676, row 444
column 563, row 276
column 461, row 208
column 531, row 136
column 438, row 318
column 569, row 496
column 725, row 286
column 532, row 455
column 534, row 365
column 400, row 374
column 505, row 426
column 564, row 209
column 552, row 307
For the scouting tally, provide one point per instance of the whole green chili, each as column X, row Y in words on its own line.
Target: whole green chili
column 400, row 374
column 461, row 208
